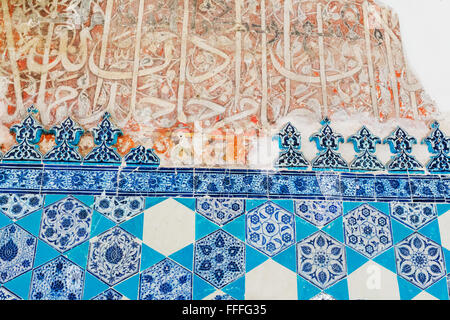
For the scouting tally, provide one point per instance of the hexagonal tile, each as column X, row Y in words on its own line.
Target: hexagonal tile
column 119, row 209
column 414, row 215
column 318, row 212
column 166, row 280
column 220, row 210
column 169, row 226
column 114, row 255
column 218, row 295
column 419, row 260
column 109, row 294
column 18, row 206
column 321, row 259
column 66, row 223
column 270, row 228
column 17, row 249
column 367, row 230
column 59, row 279
column 219, row 258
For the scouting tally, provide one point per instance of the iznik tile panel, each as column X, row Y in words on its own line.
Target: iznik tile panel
column 273, row 249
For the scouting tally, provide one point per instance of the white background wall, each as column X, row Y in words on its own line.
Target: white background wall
column 425, row 28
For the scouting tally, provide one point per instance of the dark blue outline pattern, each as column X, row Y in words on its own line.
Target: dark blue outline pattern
column 193, row 182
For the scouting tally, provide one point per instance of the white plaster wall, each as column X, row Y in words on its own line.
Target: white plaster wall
column 425, row 28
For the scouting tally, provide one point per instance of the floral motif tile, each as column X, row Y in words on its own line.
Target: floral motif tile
column 220, row 211
column 66, row 224
column 114, row 255
column 414, row 215
column 321, row 260
column 59, row 279
column 18, row 206
column 119, row 209
column 270, row 228
column 17, row 252
column 367, row 230
column 318, row 212
column 420, row 260
column 219, row 258
column 166, row 280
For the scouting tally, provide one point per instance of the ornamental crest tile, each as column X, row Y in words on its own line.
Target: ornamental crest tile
column 66, row 223
column 18, row 206
column 5, row 294
column 141, row 156
column 166, row 280
column 318, row 212
column 290, row 143
column 114, row 256
column 219, row 258
column 414, row 215
column 439, row 145
column 327, row 143
column 401, row 146
column 109, row 294
column 119, row 208
column 59, row 279
column 321, row 260
column 364, row 143
column 17, row 249
column 367, row 230
column 419, row 260
column 67, row 137
column 270, row 228
column 290, row 137
column 220, row 210
column 105, row 136
column 28, row 133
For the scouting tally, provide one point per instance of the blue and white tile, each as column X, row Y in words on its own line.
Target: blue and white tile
column 109, row 294
column 321, row 260
column 270, row 228
column 220, row 210
column 414, row 215
column 114, row 255
column 17, row 251
column 219, row 258
column 59, row 279
column 367, row 230
column 18, row 206
column 6, row 294
column 318, row 212
column 219, row 295
column 165, row 280
column 119, row 208
column 66, row 223
column 420, row 260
